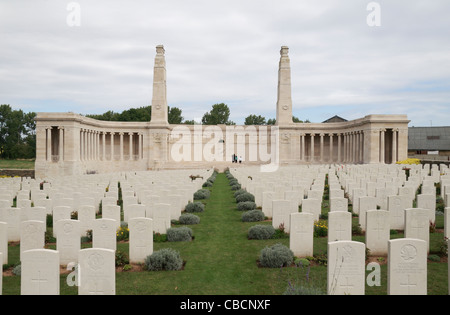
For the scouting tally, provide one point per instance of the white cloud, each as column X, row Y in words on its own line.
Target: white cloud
column 228, row 52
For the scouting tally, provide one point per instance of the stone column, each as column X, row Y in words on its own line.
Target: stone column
column 382, row 139
column 331, row 147
column 284, row 97
column 394, row 145
column 104, row 146
column 339, row 135
column 61, row 144
column 141, row 142
column 49, row 144
column 121, row 145
column 159, row 99
column 312, row 148
column 302, row 139
column 321, row 147
column 361, row 146
column 112, row 146
column 131, row 146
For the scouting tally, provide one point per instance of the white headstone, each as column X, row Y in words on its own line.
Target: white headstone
column 396, row 210
column 313, row 206
column 302, row 234
column 32, row 236
column 339, row 226
column 446, row 223
column 68, row 241
column 86, row 216
column 136, row 211
column 141, row 239
column 4, row 242
column 175, row 206
column 111, row 212
column 97, row 272
column 428, row 202
column 161, row 218
column 281, row 210
column 407, row 267
column 339, row 204
column 346, row 268
column 377, row 231
column 417, row 225
column 1, row 275
column 40, row 272
column 12, row 216
column 104, row 234
column 267, row 198
column 365, row 203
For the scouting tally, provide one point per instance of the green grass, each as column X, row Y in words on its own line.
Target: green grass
column 17, row 164
column 222, row 261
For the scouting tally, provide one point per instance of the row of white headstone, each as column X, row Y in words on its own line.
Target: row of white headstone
column 305, row 186
column 40, row 268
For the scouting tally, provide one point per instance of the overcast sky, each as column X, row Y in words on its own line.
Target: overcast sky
column 228, row 52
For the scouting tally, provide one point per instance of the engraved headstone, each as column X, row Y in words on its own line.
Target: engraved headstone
column 68, row 241
column 141, row 239
column 302, row 234
column 40, row 272
column 339, row 226
column 407, row 267
column 377, row 231
column 161, row 218
column 4, row 242
column 417, row 225
column 346, row 268
column 97, row 272
column 32, row 236
column 104, row 234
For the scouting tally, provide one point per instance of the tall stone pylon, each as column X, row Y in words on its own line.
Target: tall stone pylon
column 284, row 100
column 159, row 100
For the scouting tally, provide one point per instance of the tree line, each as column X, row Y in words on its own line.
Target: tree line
column 17, row 134
column 218, row 115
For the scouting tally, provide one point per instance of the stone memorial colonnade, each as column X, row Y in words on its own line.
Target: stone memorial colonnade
column 71, row 144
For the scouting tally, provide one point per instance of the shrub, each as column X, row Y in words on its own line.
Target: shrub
column 194, row 207
column 253, row 216
column 261, row 232
column 164, row 259
column 207, row 184
column 246, row 205
column 202, row 194
column 181, row 234
column 276, row 256
column 189, row 219
column 122, row 258
column 238, row 192
column 235, row 187
column 245, row 197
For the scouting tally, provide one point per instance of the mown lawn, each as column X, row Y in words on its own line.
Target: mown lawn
column 17, row 164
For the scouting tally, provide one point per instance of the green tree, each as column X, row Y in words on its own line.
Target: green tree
column 219, row 114
column 175, row 116
column 271, row 121
column 255, row 120
column 17, row 133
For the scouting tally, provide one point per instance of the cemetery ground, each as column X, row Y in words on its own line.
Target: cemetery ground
column 221, row 260
column 17, row 164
